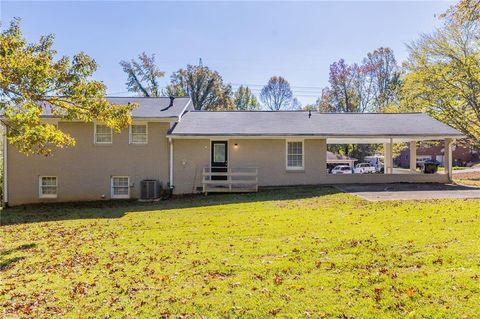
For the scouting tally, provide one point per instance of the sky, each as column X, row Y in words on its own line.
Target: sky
column 246, row 42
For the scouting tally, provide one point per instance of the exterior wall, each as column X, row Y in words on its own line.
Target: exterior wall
column 386, row 178
column 268, row 155
column 189, row 159
column 84, row 171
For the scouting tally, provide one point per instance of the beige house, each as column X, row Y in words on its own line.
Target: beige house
column 195, row 151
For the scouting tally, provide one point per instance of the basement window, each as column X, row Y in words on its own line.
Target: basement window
column 48, row 187
column 120, row 187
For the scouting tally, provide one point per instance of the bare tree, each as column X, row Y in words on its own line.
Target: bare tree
column 277, row 95
column 143, row 75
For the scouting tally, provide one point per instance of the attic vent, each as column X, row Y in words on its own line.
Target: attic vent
column 169, row 105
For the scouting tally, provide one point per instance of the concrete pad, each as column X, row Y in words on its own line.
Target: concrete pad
column 405, row 191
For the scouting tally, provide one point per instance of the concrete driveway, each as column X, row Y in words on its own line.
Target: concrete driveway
column 404, row 191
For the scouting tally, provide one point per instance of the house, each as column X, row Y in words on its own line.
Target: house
column 192, row 151
column 461, row 155
column 334, row 159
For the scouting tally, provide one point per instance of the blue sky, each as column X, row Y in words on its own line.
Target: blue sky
column 247, row 42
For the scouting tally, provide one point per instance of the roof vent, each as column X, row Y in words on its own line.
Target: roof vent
column 169, row 105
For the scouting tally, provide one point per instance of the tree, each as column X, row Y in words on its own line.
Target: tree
column 32, row 81
column 384, row 73
column 314, row 106
column 463, row 11
column 444, row 76
column 204, row 86
column 295, row 105
column 244, row 99
column 143, row 75
column 342, row 95
column 276, row 95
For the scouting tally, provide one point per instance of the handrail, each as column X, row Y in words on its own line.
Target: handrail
column 235, row 179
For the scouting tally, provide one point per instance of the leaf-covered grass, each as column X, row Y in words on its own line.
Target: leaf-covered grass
column 304, row 253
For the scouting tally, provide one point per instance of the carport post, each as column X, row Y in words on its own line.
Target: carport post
column 413, row 156
column 388, row 163
column 447, row 158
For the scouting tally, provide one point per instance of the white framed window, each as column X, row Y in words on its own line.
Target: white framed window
column 103, row 134
column 120, row 187
column 47, row 186
column 295, row 157
column 139, row 133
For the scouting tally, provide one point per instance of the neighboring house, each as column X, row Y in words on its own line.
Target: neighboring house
column 462, row 156
column 334, row 159
column 192, row 151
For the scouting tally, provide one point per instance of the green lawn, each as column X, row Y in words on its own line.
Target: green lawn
column 305, row 253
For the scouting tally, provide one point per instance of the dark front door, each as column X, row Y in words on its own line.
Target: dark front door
column 219, row 159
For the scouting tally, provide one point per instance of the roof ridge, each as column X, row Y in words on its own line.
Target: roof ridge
column 146, row 97
column 301, row 111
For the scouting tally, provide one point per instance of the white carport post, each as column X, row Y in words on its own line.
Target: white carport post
column 447, row 159
column 388, row 162
column 413, row 156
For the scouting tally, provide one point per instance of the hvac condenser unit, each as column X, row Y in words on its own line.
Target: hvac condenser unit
column 149, row 189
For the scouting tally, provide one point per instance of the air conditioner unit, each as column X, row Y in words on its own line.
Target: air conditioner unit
column 150, row 189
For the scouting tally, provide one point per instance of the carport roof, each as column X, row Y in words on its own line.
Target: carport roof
column 314, row 124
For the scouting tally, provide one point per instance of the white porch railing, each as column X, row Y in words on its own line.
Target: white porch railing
column 244, row 179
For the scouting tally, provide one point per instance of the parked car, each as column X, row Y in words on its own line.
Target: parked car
column 376, row 161
column 364, row 168
column 342, row 169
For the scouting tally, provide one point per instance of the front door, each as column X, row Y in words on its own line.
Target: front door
column 219, row 159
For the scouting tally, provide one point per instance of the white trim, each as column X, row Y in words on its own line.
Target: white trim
column 170, row 142
column 40, row 187
column 184, row 109
column 112, row 195
column 130, row 133
column 95, row 135
column 289, row 168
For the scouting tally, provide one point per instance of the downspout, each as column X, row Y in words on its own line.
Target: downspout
column 5, row 163
column 170, row 183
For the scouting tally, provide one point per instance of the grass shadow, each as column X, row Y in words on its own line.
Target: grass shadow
column 9, row 263
column 19, row 248
column 116, row 209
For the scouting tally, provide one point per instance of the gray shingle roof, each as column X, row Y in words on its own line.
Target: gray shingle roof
column 151, row 107
column 260, row 123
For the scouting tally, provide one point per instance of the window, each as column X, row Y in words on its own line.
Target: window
column 120, row 187
column 103, row 134
column 294, row 155
column 138, row 134
column 48, row 187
